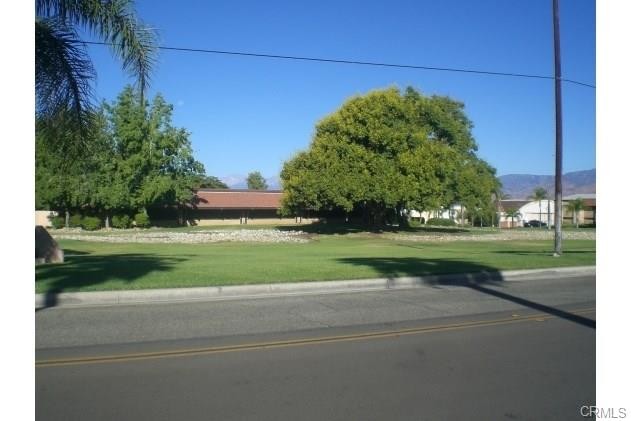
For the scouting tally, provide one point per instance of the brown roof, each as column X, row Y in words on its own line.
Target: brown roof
column 237, row 199
column 590, row 203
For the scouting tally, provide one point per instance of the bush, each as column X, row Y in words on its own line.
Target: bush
column 416, row 223
column 91, row 223
column 57, row 221
column 76, row 221
column 441, row 222
column 121, row 221
column 142, row 220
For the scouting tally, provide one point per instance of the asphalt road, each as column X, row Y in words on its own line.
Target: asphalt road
column 513, row 350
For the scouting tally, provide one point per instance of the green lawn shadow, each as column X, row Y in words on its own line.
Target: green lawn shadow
column 341, row 228
column 83, row 270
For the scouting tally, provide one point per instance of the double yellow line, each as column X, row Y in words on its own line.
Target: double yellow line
column 296, row 342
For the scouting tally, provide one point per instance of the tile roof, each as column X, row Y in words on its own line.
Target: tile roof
column 580, row 195
column 587, row 202
column 237, row 199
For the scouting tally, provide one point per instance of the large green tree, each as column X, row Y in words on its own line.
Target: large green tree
column 140, row 161
column 153, row 159
column 63, row 69
column 57, row 180
column 388, row 151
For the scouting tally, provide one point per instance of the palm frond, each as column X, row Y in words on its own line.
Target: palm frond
column 114, row 22
column 64, row 10
column 63, row 75
column 132, row 42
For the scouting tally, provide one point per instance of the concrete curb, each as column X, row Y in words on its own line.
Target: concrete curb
column 82, row 299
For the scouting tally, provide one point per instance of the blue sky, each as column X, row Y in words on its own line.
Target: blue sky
column 250, row 114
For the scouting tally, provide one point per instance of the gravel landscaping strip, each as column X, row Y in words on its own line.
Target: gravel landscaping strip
column 505, row 235
column 278, row 236
column 194, row 237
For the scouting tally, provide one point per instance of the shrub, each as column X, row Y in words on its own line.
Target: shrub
column 76, row 221
column 441, row 222
column 415, row 223
column 142, row 220
column 121, row 221
column 91, row 223
column 57, row 221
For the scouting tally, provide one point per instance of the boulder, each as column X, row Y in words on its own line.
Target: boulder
column 46, row 248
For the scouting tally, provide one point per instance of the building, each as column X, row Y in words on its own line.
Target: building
column 228, row 207
column 587, row 216
column 532, row 210
column 454, row 213
column 42, row 217
column 508, row 205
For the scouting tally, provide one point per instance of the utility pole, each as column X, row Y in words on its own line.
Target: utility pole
column 558, row 173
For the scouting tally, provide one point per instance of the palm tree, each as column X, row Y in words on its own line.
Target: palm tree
column 512, row 214
column 498, row 196
column 63, row 70
column 540, row 194
column 576, row 206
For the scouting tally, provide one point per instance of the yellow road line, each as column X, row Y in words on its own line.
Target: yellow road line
column 296, row 342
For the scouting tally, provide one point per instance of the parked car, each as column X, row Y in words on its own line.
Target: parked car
column 535, row 223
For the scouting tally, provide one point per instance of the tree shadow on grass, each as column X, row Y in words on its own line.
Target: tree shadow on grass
column 330, row 228
column 72, row 253
column 342, row 228
column 480, row 278
column 84, row 270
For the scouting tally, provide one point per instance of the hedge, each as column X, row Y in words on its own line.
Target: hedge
column 441, row 222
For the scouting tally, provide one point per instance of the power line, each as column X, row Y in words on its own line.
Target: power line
column 363, row 63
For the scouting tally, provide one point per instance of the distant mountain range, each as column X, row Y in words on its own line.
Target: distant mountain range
column 520, row 186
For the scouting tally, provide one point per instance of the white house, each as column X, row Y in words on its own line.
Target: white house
column 454, row 213
column 531, row 210
column 539, row 210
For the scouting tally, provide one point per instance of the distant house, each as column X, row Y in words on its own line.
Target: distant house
column 530, row 210
column 585, row 216
column 224, row 206
column 507, row 205
column 454, row 213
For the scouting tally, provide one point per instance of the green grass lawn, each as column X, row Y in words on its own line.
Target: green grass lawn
column 92, row 266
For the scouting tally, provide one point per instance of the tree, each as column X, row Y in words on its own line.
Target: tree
column 139, row 161
column 57, row 179
column 576, row 205
column 153, row 158
column 498, row 196
column 512, row 214
column 212, row 182
column 386, row 152
column 540, row 194
column 63, row 70
column 256, row 181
